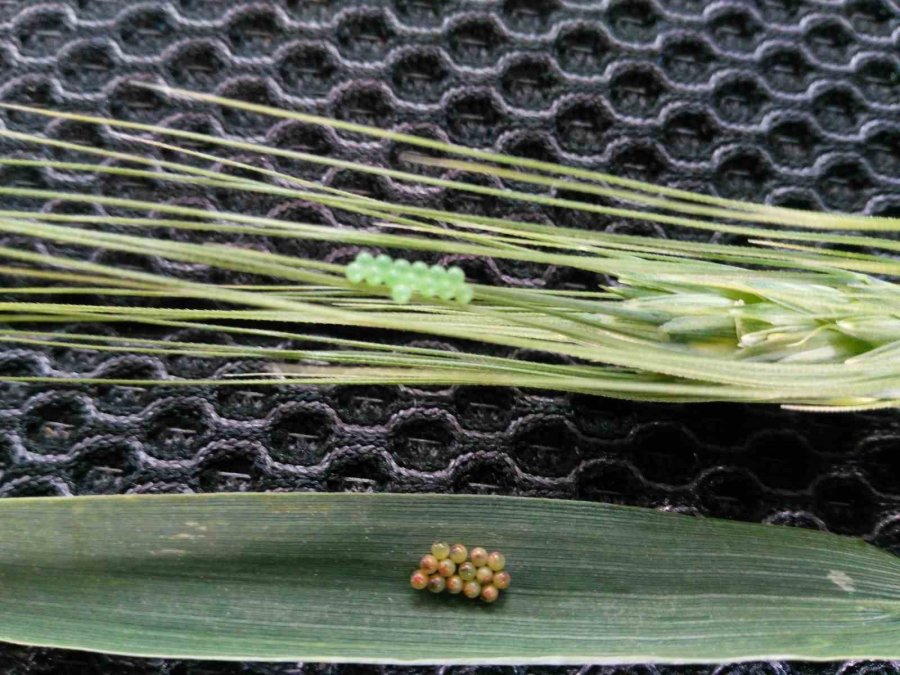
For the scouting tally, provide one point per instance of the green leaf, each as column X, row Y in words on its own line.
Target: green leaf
column 324, row 577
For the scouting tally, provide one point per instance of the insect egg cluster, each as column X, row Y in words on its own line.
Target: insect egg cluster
column 406, row 279
column 455, row 569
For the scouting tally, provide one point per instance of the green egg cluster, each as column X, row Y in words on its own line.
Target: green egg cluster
column 406, row 279
column 455, row 569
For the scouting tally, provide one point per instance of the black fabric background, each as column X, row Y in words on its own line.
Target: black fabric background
column 789, row 101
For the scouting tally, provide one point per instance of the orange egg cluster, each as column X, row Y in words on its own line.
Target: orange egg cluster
column 455, row 569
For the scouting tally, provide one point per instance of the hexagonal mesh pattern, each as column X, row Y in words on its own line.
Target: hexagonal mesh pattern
column 793, row 101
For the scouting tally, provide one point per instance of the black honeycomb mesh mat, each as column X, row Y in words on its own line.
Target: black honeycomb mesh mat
column 792, row 101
